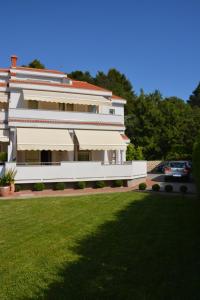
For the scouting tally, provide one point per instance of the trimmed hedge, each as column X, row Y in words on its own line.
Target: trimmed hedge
column 118, row 183
column 59, row 186
column 80, row 185
column 155, row 187
column 142, row 186
column 100, row 184
column 196, row 163
column 39, row 186
column 169, row 188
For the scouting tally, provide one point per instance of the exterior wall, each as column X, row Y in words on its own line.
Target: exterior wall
column 79, row 171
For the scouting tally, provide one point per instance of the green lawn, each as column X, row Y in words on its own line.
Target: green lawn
column 113, row 246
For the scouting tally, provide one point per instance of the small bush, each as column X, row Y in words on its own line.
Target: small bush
column 18, row 188
column 156, row 187
column 142, row 186
column 118, row 183
column 169, row 188
column 39, row 186
column 183, row 189
column 3, row 156
column 80, row 185
column 59, row 186
column 100, row 184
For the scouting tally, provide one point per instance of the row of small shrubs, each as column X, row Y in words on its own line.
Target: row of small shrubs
column 59, row 186
column 168, row 188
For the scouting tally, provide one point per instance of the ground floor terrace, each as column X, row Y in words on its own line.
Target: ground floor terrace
column 60, row 155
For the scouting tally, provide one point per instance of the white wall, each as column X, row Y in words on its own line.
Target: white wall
column 77, row 171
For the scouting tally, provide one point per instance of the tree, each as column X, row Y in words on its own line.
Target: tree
column 119, row 85
column 196, row 163
column 194, row 99
column 82, row 76
column 134, row 153
column 35, row 64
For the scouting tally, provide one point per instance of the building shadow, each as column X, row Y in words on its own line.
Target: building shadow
column 149, row 251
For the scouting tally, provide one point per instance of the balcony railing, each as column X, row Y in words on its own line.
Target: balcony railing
column 78, row 171
column 64, row 116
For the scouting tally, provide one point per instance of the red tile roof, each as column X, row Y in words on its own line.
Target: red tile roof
column 86, row 85
column 39, row 70
column 124, row 136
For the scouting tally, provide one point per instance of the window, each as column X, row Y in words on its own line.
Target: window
column 83, row 156
column 61, row 106
column 111, row 111
column 32, row 104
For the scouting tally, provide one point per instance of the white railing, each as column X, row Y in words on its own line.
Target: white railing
column 78, row 171
column 64, row 116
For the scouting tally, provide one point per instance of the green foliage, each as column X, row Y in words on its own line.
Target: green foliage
column 100, row 184
column 169, row 188
column 11, row 173
column 194, row 99
column 134, row 153
column 142, row 186
column 81, row 185
column 59, row 186
column 156, row 187
column 39, row 186
column 4, row 180
column 183, row 189
column 36, row 64
column 82, row 76
column 3, row 156
column 196, row 163
column 118, row 183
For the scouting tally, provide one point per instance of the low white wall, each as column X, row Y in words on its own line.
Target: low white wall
column 1, row 170
column 79, row 171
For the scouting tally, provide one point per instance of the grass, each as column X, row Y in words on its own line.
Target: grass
column 111, row 246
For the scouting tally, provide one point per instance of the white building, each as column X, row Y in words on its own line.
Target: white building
column 57, row 129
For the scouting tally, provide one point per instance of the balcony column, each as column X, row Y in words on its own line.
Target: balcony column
column 105, row 157
column 12, row 147
column 123, row 155
column 118, row 157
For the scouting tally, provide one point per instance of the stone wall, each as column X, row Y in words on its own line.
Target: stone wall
column 152, row 164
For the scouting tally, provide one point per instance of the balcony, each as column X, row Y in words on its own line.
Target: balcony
column 78, row 171
column 64, row 119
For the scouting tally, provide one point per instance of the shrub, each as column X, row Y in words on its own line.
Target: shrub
column 183, row 189
column 39, row 186
column 100, row 184
column 81, row 185
column 196, row 163
column 118, row 183
column 17, row 188
column 169, row 188
column 156, row 187
column 142, row 186
column 59, row 186
column 3, row 156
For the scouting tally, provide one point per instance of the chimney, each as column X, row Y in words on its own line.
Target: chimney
column 13, row 61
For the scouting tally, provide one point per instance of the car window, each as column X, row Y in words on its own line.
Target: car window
column 177, row 165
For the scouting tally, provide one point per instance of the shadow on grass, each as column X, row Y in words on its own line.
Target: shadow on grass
column 150, row 251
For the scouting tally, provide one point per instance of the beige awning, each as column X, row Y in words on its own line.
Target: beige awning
column 65, row 98
column 44, row 139
column 3, row 97
column 4, row 135
column 100, row 140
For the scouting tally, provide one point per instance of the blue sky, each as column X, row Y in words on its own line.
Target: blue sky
column 156, row 43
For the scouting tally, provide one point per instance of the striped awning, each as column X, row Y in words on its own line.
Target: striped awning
column 100, row 140
column 44, row 139
column 68, row 98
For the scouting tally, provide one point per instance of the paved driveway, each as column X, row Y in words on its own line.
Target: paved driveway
column 160, row 179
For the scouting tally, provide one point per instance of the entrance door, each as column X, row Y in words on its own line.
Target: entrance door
column 45, row 157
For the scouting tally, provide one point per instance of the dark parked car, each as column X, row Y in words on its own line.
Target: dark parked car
column 177, row 169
